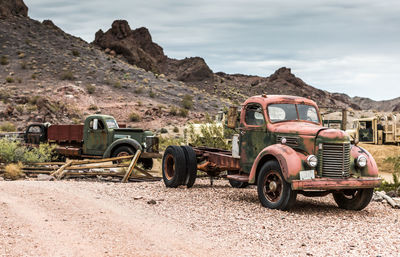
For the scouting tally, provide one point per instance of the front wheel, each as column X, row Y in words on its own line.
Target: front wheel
column 353, row 199
column 273, row 191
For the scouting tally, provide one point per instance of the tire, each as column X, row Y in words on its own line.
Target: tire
column 356, row 199
column 174, row 166
column 191, row 165
column 237, row 184
column 147, row 163
column 273, row 191
column 122, row 151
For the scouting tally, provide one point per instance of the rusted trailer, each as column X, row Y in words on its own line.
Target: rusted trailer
column 281, row 147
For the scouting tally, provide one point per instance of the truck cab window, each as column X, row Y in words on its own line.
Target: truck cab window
column 100, row 124
column 254, row 115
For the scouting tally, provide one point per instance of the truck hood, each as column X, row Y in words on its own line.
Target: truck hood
column 295, row 127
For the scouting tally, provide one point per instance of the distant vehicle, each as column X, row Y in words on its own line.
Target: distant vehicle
column 282, row 147
column 99, row 137
column 381, row 129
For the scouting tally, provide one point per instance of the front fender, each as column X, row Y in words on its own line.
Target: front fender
column 371, row 170
column 123, row 141
column 289, row 160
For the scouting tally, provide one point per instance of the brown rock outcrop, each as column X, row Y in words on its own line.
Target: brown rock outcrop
column 135, row 45
column 192, row 69
column 9, row 8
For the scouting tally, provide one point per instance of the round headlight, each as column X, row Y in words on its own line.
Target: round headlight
column 312, row 161
column 361, row 161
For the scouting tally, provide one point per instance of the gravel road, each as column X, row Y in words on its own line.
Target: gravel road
column 68, row 218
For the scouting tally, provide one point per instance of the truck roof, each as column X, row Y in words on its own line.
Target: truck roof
column 264, row 100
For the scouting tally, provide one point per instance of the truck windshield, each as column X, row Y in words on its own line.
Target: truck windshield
column 289, row 112
column 111, row 124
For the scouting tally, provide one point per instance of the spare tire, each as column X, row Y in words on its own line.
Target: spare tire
column 173, row 166
column 191, row 165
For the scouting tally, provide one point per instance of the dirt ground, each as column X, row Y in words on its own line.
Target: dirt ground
column 69, row 218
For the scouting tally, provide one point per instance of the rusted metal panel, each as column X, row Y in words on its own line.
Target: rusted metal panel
column 65, row 133
column 224, row 161
column 237, row 177
column 68, row 151
column 331, row 184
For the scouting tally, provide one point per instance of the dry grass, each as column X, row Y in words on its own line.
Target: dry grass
column 381, row 153
column 13, row 171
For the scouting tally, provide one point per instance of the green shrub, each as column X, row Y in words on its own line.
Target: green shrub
column 152, row 94
column 134, row 117
column 67, row 75
column 138, row 90
column 34, row 76
column 75, row 53
column 173, row 111
column 7, row 127
column 4, row 60
column 90, row 89
column 166, row 141
column 13, row 152
column 117, row 84
column 20, row 108
column 23, row 65
column 163, row 130
column 93, row 107
column 176, row 129
column 183, row 112
column 9, row 80
column 187, row 102
column 210, row 135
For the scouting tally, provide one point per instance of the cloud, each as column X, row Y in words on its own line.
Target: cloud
column 336, row 45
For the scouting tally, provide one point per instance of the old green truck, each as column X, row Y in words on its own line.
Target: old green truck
column 99, row 137
column 282, row 147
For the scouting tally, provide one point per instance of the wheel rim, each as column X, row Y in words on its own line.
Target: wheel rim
column 169, row 166
column 120, row 154
column 273, row 186
column 350, row 194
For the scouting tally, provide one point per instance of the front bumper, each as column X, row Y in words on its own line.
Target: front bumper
column 332, row 184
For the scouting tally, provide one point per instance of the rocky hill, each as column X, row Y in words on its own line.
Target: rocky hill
column 49, row 75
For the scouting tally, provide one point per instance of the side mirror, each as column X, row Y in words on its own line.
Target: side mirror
column 232, row 117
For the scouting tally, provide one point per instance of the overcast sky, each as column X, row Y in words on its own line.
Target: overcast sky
column 345, row 46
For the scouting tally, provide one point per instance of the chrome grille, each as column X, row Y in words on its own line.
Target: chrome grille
column 290, row 141
column 335, row 161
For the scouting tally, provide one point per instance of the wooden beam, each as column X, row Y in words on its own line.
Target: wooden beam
column 131, row 166
column 58, row 173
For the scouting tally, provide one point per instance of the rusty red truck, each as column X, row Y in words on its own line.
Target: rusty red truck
column 99, row 137
column 283, row 149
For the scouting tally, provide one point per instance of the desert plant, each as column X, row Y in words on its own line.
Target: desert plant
column 166, row 141
column 176, row 129
column 152, row 94
column 138, row 90
column 163, row 130
column 75, row 53
column 173, row 111
column 23, row 65
column 134, row 117
column 34, row 76
column 4, row 60
column 90, row 89
column 13, row 152
column 93, row 107
column 9, row 80
column 117, row 84
column 187, row 102
column 183, row 112
column 13, row 171
column 67, row 75
column 7, row 127
column 210, row 135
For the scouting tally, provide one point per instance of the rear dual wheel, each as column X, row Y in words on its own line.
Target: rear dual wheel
column 179, row 166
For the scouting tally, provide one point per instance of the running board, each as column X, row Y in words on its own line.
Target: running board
column 241, row 178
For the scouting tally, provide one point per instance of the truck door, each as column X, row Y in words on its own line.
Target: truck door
column 253, row 135
column 96, row 138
